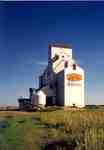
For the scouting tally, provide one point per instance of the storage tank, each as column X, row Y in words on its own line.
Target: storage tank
column 41, row 98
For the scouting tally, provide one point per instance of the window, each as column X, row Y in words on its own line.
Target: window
column 74, row 66
column 51, row 86
column 66, row 64
column 56, row 57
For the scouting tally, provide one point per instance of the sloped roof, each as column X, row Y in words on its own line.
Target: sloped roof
column 47, row 91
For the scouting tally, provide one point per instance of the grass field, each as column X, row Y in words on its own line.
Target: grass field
column 55, row 129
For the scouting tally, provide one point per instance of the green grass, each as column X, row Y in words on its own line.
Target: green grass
column 52, row 129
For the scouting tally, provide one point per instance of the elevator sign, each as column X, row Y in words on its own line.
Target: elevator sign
column 74, row 77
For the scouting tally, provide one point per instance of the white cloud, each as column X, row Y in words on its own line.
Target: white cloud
column 42, row 63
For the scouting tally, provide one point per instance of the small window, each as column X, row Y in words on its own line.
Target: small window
column 51, row 86
column 66, row 64
column 74, row 66
column 56, row 57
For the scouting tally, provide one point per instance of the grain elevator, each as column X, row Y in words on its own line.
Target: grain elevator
column 62, row 82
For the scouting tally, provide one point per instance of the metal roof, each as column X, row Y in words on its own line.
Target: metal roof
column 62, row 45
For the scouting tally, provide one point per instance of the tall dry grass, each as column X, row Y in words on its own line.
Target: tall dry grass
column 85, row 127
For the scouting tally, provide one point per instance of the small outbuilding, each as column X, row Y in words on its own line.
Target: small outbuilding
column 25, row 104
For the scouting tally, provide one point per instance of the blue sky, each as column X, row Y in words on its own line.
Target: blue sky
column 26, row 28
